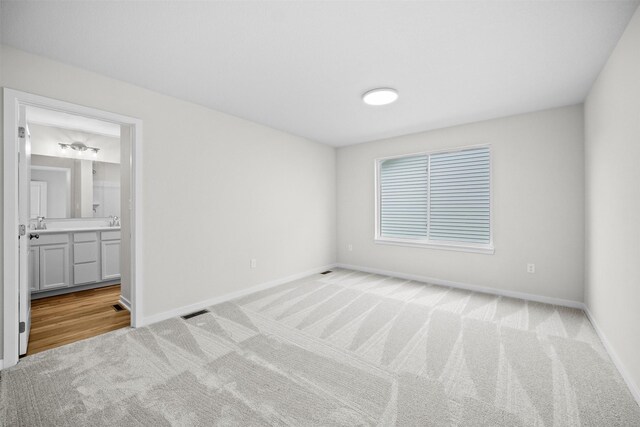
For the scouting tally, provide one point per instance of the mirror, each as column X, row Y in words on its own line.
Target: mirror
column 71, row 183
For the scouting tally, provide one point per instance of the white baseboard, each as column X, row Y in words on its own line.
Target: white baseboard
column 633, row 387
column 125, row 303
column 469, row 287
column 223, row 298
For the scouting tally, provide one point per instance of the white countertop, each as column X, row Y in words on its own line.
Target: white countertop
column 72, row 230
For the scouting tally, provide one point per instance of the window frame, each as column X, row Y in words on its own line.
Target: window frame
column 483, row 248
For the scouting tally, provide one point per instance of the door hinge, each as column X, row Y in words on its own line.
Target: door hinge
column 21, row 132
column 22, row 327
column 22, row 230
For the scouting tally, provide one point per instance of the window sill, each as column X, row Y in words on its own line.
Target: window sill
column 458, row 247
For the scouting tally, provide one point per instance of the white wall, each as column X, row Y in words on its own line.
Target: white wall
column 612, row 132
column 218, row 190
column 538, row 196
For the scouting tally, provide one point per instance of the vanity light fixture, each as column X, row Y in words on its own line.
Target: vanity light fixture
column 78, row 146
column 380, row 96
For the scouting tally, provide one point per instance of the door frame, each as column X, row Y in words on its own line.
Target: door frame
column 12, row 101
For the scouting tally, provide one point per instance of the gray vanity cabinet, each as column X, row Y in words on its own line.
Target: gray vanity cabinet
column 61, row 260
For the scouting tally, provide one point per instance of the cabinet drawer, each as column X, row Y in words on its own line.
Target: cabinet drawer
column 85, row 237
column 85, row 273
column 85, row 252
column 49, row 239
column 110, row 235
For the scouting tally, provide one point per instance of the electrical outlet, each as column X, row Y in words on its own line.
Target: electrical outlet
column 350, row 247
column 253, row 263
column 531, row 268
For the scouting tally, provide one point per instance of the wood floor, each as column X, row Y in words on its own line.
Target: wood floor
column 64, row 319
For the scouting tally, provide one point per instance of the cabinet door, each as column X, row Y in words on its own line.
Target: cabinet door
column 110, row 259
column 34, row 268
column 54, row 266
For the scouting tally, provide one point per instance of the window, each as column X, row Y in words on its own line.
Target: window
column 438, row 199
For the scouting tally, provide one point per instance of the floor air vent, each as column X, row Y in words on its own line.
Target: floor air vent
column 326, row 272
column 197, row 313
column 118, row 307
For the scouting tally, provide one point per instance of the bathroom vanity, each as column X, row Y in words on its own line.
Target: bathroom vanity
column 74, row 210
column 67, row 260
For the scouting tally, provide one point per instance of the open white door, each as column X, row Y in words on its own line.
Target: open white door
column 16, row 301
column 24, row 212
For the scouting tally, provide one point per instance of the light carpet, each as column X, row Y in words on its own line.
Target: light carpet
column 345, row 348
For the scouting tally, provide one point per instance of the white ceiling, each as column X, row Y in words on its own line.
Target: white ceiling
column 303, row 66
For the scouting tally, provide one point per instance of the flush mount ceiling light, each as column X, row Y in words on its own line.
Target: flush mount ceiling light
column 78, row 146
column 380, row 96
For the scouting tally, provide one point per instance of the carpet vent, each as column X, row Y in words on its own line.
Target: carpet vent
column 118, row 307
column 326, row 272
column 194, row 314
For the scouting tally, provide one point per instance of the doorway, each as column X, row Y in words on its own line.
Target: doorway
column 92, row 243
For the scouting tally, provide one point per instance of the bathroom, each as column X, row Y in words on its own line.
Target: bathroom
column 75, row 254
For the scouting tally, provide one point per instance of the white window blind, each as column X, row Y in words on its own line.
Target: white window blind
column 436, row 198
column 404, row 197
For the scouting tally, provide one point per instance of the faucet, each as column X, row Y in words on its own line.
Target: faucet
column 41, row 225
column 114, row 221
